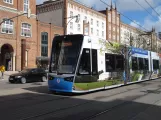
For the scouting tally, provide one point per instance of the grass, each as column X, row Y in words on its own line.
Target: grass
column 93, row 85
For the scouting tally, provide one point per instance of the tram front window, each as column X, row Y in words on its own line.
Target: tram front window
column 65, row 53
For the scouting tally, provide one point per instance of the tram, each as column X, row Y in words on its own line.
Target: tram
column 78, row 65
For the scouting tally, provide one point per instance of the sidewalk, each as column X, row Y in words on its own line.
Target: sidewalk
column 7, row 74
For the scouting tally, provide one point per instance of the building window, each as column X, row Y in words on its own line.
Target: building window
column 109, row 17
column 114, row 29
column 7, row 27
column 8, row 1
column 71, row 13
column 79, row 17
column 97, row 23
column 26, row 5
column 118, row 30
column 91, row 21
column 85, row 18
column 102, row 33
column 102, row 25
column 91, row 30
column 78, row 27
column 97, row 32
column 26, row 30
column 44, row 44
column 71, row 25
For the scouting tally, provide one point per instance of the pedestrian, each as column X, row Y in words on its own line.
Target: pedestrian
column 2, row 71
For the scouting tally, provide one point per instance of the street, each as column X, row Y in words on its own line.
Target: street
column 32, row 101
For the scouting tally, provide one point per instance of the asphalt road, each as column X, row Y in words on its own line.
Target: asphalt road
column 33, row 102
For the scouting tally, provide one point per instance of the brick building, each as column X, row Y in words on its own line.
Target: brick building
column 16, row 35
column 22, row 39
column 113, row 24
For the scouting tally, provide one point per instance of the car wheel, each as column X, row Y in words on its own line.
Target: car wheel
column 11, row 81
column 44, row 79
column 23, row 80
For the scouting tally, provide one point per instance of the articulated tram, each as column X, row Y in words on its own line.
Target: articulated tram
column 78, row 64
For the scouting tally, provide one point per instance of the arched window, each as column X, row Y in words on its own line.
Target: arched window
column 7, row 27
column 26, row 30
column 44, row 44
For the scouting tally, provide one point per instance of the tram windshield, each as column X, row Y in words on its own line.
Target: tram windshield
column 65, row 53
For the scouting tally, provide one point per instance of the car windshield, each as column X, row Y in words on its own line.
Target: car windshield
column 26, row 70
column 65, row 53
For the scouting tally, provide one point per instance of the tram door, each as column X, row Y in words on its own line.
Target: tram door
column 94, row 65
column 88, row 60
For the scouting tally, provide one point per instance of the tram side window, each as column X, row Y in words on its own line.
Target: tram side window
column 146, row 64
column 155, row 64
column 94, row 62
column 84, row 66
column 134, row 63
column 110, row 62
column 141, row 63
column 119, row 62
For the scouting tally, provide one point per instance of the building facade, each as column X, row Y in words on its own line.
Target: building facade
column 23, row 39
column 112, row 24
column 102, row 24
column 91, row 22
column 17, row 36
column 132, row 36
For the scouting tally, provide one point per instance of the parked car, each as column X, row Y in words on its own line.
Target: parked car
column 29, row 75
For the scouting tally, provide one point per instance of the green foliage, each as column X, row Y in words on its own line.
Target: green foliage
column 113, row 47
column 135, row 76
column 99, row 84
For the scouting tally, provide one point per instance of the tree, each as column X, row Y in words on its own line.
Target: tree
column 112, row 47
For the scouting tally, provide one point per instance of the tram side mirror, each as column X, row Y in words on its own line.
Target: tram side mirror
column 100, row 72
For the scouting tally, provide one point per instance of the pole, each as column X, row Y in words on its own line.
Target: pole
column 151, row 58
column 72, row 17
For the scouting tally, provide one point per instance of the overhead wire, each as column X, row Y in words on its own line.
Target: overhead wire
column 126, row 16
column 152, row 8
column 145, row 9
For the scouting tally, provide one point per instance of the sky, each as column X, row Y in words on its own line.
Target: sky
column 144, row 16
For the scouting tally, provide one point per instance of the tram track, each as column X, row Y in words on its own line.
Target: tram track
column 117, row 106
column 77, row 105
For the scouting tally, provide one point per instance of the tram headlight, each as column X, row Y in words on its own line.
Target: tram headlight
column 69, row 79
column 50, row 78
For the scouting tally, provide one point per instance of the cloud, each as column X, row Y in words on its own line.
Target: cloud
column 97, row 4
column 148, row 23
column 132, row 5
column 40, row 1
column 158, row 10
column 135, row 24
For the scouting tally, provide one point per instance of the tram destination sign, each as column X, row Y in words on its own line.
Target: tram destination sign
column 139, row 51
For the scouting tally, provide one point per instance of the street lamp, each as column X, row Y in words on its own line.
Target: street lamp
column 28, row 15
column 72, row 17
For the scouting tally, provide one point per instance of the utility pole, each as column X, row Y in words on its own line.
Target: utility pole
column 28, row 15
column 151, row 49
